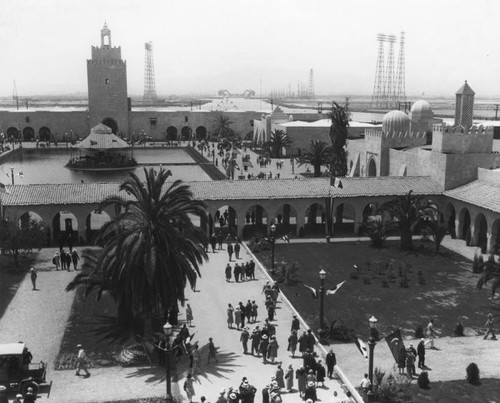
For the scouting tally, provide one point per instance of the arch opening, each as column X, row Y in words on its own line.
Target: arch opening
column 171, row 133
column 12, row 133
column 28, row 134
column 464, row 226
column 286, row 220
column 315, row 221
column 94, row 222
column 65, row 229
column 372, row 167
column 258, row 222
column 44, row 134
column 201, row 133
column 345, row 217
column 186, row 133
column 480, row 232
column 111, row 123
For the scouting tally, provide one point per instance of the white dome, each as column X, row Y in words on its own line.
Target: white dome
column 395, row 121
column 421, row 107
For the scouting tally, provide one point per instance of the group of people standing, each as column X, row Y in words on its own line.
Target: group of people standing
column 243, row 272
column 63, row 260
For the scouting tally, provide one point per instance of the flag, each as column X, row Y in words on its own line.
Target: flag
column 361, row 346
column 286, row 238
column 332, row 291
column 395, row 343
column 337, row 183
column 21, row 174
column 314, row 292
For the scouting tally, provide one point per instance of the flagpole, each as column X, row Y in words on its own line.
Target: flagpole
column 371, row 344
column 322, row 275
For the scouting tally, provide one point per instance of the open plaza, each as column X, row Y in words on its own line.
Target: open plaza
column 126, row 286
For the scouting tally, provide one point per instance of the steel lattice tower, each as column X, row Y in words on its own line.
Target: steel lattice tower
column 310, row 89
column 378, row 87
column 400, row 92
column 149, row 75
column 389, row 78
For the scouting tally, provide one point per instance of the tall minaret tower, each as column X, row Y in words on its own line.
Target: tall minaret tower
column 464, row 106
column 107, row 84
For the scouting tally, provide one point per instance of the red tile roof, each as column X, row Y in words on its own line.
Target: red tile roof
column 88, row 193
column 479, row 193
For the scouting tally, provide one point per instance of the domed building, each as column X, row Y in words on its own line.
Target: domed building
column 421, row 117
column 396, row 122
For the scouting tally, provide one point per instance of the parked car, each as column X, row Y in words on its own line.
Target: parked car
column 16, row 374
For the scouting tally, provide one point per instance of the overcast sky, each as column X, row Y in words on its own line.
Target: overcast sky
column 201, row 46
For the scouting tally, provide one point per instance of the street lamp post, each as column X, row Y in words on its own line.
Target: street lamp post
column 12, row 175
column 371, row 344
column 322, row 275
column 273, row 242
column 167, row 329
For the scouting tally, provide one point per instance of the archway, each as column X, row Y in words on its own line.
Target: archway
column 286, row 220
column 495, row 237
column 44, row 134
column 315, row 220
column 171, row 133
column 345, row 217
column 12, row 132
column 372, row 167
column 480, row 232
column 93, row 223
column 33, row 221
column 464, row 226
column 65, row 229
column 186, row 133
column 28, row 134
column 450, row 220
column 370, row 210
column 257, row 223
column 201, row 133
column 225, row 220
column 111, row 123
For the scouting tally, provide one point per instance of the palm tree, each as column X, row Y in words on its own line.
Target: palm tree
column 319, row 154
column 223, row 128
column 152, row 249
column 409, row 211
column 338, row 135
column 436, row 228
column 278, row 141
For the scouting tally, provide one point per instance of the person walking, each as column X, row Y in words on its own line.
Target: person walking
column 230, row 250
column 273, row 349
column 75, row 258
column 57, row 260
column 410, row 362
column 255, row 311
column 243, row 313
column 280, row 377
column 295, row 324
column 230, row 316
column 303, row 343
column 271, row 310
column 189, row 388
column 189, row 314
column 236, row 271
column 320, row 373
column 292, row 342
column 33, row 277
column 421, row 353
column 300, row 374
column 255, row 341
column 331, row 361
column 213, row 242
column 244, row 339
column 264, row 343
column 237, row 317
column 62, row 258
column 489, row 327
column 289, row 378
column 220, row 240
column 68, row 260
column 431, row 333
column 228, row 273
column 237, row 248
column 81, row 361
column 414, row 353
column 196, row 358
column 212, row 351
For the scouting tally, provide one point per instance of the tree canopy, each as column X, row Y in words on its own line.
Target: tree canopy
column 318, row 154
column 338, row 136
column 278, row 141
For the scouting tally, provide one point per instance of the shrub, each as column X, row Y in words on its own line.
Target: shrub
column 378, row 376
column 403, row 282
column 423, row 380
column 393, row 388
column 419, row 332
column 473, row 374
column 385, row 283
column 475, row 263
column 366, row 280
column 354, row 275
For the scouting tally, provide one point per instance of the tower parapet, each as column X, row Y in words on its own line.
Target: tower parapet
column 460, row 140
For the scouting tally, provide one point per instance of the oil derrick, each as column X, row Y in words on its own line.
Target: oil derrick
column 400, row 92
column 149, row 76
column 379, row 86
column 389, row 78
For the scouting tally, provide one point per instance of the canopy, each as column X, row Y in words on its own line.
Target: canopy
column 102, row 138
